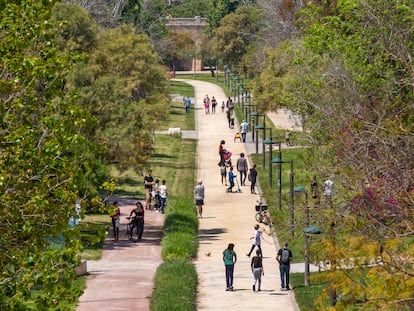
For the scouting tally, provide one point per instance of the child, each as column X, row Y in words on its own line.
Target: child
column 223, row 173
column 231, row 179
column 222, row 106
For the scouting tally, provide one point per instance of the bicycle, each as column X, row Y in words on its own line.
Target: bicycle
column 134, row 229
column 262, row 215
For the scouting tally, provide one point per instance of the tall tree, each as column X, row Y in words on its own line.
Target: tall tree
column 44, row 161
column 124, row 87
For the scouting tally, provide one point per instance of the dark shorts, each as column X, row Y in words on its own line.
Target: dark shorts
column 199, row 202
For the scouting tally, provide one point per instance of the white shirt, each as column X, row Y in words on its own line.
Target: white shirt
column 328, row 187
column 163, row 191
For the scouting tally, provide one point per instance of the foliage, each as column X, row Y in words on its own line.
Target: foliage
column 351, row 78
column 45, row 161
column 190, row 8
column 124, row 87
column 76, row 31
column 229, row 42
column 220, row 9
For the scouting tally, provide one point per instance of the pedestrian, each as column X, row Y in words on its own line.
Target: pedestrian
column 213, row 104
column 138, row 219
column 206, row 102
column 187, row 104
column 242, row 168
column 223, row 173
column 256, row 241
column 115, row 215
column 231, row 120
column 287, row 138
column 229, row 259
column 228, row 117
column 155, row 194
column 163, row 193
column 257, row 270
column 231, row 179
column 222, row 106
column 221, row 153
column 315, row 192
column 253, row 179
column 243, row 130
column 230, row 105
column 284, row 257
column 328, row 191
column 148, row 183
column 199, row 198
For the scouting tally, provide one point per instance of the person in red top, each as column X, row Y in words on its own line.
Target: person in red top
column 221, row 153
column 115, row 215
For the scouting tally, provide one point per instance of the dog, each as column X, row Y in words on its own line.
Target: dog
column 237, row 136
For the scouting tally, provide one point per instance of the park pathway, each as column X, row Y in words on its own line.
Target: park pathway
column 229, row 218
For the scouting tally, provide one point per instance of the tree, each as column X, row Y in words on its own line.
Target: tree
column 237, row 31
column 44, row 161
column 351, row 76
column 124, row 87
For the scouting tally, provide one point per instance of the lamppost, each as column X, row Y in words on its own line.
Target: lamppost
column 270, row 142
column 256, row 116
column 279, row 162
column 264, row 143
column 301, row 189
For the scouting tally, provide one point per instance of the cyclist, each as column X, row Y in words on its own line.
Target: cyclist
column 138, row 219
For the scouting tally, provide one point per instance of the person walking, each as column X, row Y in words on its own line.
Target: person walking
column 284, row 257
column 287, row 138
column 221, row 153
column 115, row 217
column 253, row 179
column 223, row 173
column 199, row 197
column 138, row 219
column 148, row 183
column 242, row 167
column 257, row 270
column 222, row 106
column 163, row 193
column 231, row 180
column 256, row 241
column 243, row 130
column 229, row 259
column 187, row 104
column 213, row 105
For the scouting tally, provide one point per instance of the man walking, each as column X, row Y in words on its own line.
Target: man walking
column 256, row 238
column 242, row 167
column 284, row 257
column 243, row 130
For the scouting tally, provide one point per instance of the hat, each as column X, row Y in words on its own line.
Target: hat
column 244, row 120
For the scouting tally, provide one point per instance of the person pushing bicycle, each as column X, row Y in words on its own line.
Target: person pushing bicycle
column 138, row 219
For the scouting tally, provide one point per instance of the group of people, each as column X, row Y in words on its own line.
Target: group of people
column 241, row 166
column 136, row 219
column 210, row 103
column 284, row 257
column 155, row 198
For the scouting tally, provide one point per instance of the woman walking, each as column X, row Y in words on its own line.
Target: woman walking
column 257, row 270
column 229, row 259
column 115, row 216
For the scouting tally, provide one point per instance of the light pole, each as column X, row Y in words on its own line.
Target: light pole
column 301, row 189
column 270, row 142
column 258, row 127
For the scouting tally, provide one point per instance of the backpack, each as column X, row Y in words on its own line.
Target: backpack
column 284, row 258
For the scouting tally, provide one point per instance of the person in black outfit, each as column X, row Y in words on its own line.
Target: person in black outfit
column 253, row 179
column 138, row 219
column 257, row 270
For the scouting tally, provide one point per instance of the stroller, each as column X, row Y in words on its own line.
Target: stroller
column 227, row 158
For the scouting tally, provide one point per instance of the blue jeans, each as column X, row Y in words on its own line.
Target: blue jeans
column 162, row 204
column 284, row 275
column 229, row 275
column 243, row 136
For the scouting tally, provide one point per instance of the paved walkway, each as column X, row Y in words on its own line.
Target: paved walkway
column 122, row 279
column 229, row 218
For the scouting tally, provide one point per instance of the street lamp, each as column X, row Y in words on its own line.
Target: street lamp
column 256, row 116
column 301, row 189
column 264, row 143
column 270, row 142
